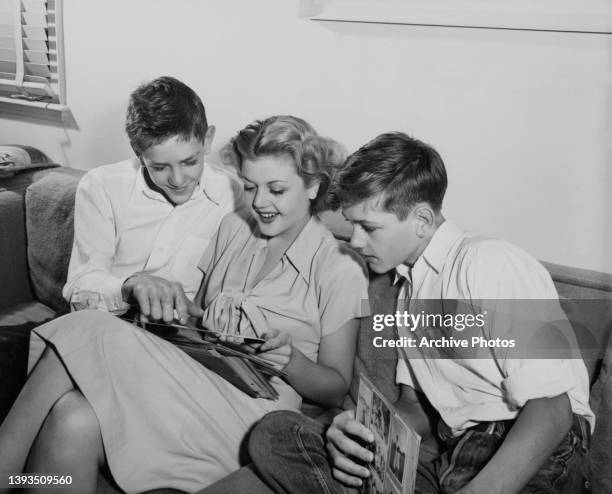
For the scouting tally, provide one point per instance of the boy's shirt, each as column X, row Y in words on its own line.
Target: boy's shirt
column 496, row 278
column 122, row 227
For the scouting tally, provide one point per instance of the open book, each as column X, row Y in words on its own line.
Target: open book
column 395, row 446
column 233, row 360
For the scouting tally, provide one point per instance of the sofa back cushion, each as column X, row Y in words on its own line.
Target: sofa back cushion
column 15, row 287
column 600, row 456
column 50, row 232
column 586, row 298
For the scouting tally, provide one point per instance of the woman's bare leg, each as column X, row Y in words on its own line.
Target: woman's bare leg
column 47, row 383
column 69, row 443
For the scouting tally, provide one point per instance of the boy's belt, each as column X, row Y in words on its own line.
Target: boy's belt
column 580, row 426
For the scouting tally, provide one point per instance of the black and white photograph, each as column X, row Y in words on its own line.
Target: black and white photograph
column 395, row 446
column 364, row 402
column 376, row 485
column 397, row 451
column 380, row 416
column 390, row 487
column 379, row 462
column 215, row 216
column 403, row 454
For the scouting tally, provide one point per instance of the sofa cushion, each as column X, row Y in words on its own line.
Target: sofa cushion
column 27, row 313
column 586, row 298
column 13, row 268
column 49, row 222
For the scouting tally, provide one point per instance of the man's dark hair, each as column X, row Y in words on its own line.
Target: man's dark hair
column 401, row 170
column 162, row 109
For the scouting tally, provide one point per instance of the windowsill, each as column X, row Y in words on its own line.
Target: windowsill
column 37, row 112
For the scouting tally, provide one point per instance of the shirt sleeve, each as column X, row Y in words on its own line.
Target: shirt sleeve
column 209, row 255
column 521, row 305
column 90, row 284
column 343, row 289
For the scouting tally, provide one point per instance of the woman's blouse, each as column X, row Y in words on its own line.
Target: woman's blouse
column 318, row 285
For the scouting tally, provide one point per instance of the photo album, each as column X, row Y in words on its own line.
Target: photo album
column 233, row 358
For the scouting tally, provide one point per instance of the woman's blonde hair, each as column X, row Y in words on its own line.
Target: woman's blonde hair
column 316, row 158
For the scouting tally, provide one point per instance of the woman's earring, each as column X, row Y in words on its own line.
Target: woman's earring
column 313, row 191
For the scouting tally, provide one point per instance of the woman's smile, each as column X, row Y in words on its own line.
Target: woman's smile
column 267, row 216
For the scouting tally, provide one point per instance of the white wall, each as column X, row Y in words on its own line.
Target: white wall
column 523, row 119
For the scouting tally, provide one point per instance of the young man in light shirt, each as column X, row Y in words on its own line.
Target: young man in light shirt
column 507, row 422
column 141, row 225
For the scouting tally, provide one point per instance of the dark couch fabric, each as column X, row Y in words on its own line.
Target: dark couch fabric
column 50, row 201
column 600, row 457
column 15, row 286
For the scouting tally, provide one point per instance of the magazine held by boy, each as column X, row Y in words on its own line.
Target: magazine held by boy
column 395, row 446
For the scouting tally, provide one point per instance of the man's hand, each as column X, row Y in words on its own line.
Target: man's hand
column 158, row 298
column 342, row 445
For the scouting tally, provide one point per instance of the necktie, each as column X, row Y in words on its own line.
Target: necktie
column 405, row 294
column 405, row 291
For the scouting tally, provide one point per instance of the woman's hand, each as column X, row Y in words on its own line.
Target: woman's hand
column 277, row 348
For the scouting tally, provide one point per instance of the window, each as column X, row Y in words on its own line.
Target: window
column 31, row 59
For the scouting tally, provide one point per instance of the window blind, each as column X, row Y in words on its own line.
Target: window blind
column 29, row 56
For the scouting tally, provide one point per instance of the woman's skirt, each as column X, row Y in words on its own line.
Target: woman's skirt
column 166, row 420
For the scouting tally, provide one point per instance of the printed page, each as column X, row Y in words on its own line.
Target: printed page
column 395, row 446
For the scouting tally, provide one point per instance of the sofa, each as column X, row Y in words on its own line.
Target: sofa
column 36, row 209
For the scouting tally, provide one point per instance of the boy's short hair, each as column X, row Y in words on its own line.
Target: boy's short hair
column 401, row 170
column 161, row 109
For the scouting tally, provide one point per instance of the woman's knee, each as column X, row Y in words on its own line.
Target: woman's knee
column 72, row 420
column 69, row 441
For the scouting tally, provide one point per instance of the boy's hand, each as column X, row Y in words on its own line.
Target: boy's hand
column 344, row 450
column 158, row 298
column 277, row 349
column 194, row 316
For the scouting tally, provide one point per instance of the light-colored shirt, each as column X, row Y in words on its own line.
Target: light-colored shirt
column 499, row 280
column 317, row 287
column 122, row 227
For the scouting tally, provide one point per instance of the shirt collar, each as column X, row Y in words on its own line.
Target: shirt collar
column 402, row 271
column 207, row 184
column 212, row 184
column 436, row 252
column 141, row 186
column 301, row 252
